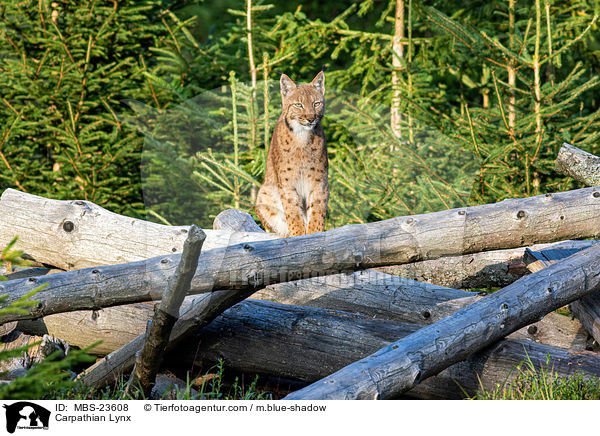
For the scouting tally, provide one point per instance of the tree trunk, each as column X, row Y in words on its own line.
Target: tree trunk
column 74, row 234
column 234, row 220
column 117, row 326
column 402, row 365
column 586, row 309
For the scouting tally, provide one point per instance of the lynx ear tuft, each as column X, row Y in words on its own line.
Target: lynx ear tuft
column 287, row 85
column 319, row 82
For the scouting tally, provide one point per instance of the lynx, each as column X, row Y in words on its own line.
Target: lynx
column 293, row 198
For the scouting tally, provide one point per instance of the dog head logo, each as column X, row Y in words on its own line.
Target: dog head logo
column 26, row 415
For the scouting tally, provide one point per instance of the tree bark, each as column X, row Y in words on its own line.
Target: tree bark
column 581, row 165
column 402, row 365
column 165, row 315
column 497, row 268
column 78, row 234
column 586, row 309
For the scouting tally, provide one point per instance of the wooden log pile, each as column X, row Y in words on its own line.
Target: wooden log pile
column 369, row 311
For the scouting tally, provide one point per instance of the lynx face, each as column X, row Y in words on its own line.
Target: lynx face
column 303, row 105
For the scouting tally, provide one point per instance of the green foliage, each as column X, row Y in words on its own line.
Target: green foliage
column 54, row 371
column 534, row 94
column 531, row 383
column 66, row 66
column 485, row 97
column 43, row 379
column 481, row 97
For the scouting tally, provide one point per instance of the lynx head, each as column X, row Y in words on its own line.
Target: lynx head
column 303, row 105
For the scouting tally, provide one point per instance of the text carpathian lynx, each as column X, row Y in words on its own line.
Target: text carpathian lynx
column 293, row 198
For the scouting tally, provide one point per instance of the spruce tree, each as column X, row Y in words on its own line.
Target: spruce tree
column 66, row 67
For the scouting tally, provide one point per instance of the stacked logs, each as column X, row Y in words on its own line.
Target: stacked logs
column 330, row 309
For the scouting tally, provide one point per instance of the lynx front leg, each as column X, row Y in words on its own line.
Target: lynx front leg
column 270, row 210
column 292, row 205
column 317, row 211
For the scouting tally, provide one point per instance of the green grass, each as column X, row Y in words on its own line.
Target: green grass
column 532, row 383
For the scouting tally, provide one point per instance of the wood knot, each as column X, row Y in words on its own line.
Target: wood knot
column 521, row 214
column 68, row 226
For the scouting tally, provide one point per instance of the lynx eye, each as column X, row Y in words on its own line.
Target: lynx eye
column 299, row 105
column 317, row 103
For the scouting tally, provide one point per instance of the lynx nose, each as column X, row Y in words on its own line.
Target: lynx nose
column 310, row 119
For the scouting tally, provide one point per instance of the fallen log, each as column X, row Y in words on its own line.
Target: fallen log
column 90, row 288
column 77, row 234
column 508, row 224
column 581, row 165
column 106, row 286
column 307, row 344
column 368, row 292
column 497, row 268
column 235, row 220
column 165, row 314
column 584, row 167
column 586, row 309
column 114, row 326
column 479, row 270
column 402, row 365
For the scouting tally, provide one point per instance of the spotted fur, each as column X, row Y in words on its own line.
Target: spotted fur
column 293, row 198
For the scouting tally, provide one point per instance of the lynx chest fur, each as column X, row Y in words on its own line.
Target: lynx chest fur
column 293, row 198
